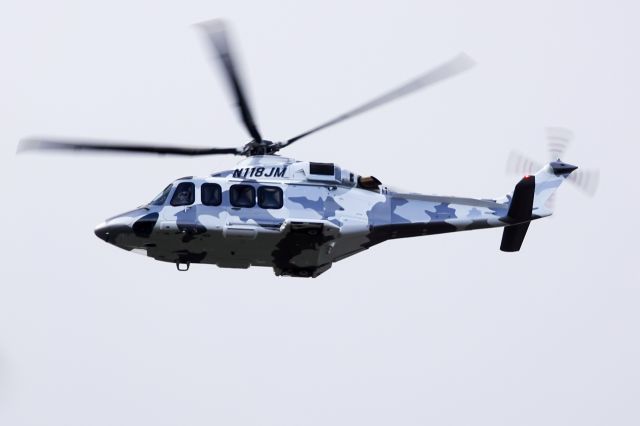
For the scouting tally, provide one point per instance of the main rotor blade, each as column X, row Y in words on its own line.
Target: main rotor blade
column 54, row 144
column 221, row 51
column 455, row 66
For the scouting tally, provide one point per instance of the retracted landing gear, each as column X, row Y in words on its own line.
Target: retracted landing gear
column 182, row 266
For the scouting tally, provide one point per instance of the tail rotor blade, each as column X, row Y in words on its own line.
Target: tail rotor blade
column 558, row 139
column 521, row 164
column 586, row 180
column 218, row 40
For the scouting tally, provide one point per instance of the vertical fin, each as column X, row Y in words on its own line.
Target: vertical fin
column 548, row 179
column 519, row 214
column 513, row 236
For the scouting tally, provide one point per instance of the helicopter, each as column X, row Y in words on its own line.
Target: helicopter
column 298, row 217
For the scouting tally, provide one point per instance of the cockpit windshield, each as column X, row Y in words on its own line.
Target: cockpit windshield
column 162, row 197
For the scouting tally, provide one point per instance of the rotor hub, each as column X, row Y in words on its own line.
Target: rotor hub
column 262, row 147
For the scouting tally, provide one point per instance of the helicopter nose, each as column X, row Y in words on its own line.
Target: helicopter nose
column 102, row 231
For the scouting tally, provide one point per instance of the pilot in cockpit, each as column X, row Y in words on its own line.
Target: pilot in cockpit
column 183, row 195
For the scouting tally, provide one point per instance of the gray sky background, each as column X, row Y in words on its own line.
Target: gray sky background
column 438, row 330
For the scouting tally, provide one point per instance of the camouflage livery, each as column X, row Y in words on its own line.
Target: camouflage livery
column 326, row 214
column 299, row 217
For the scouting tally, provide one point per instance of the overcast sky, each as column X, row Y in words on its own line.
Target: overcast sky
column 436, row 330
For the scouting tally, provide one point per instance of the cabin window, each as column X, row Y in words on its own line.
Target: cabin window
column 162, row 197
column 325, row 169
column 211, row 194
column 270, row 197
column 184, row 195
column 242, row 195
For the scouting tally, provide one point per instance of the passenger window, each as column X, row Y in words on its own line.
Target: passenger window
column 184, row 195
column 270, row 197
column 211, row 194
column 242, row 195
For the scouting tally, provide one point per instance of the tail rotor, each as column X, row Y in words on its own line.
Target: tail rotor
column 558, row 140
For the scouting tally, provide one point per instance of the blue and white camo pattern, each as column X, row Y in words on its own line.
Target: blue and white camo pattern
column 324, row 219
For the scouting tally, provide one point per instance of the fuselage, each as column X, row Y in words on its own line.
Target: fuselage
column 294, row 216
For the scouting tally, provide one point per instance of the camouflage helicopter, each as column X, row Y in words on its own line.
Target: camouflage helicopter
column 299, row 217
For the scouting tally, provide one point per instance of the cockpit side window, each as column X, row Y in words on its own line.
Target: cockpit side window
column 162, row 197
column 270, row 197
column 211, row 194
column 184, row 195
column 242, row 195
